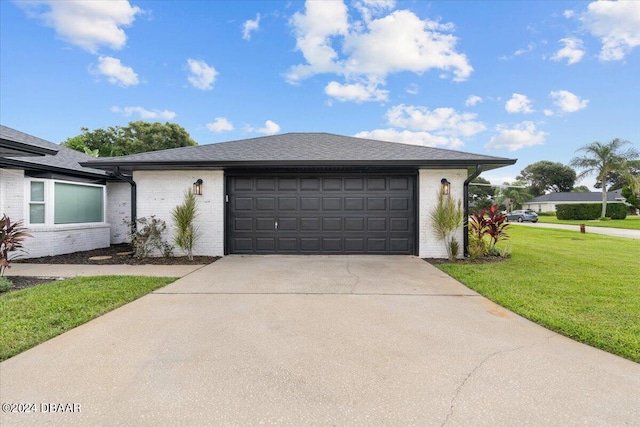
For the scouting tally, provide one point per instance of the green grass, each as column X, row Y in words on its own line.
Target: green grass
column 586, row 287
column 630, row 223
column 31, row 316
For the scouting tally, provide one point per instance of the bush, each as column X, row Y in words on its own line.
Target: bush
column 550, row 213
column 147, row 238
column 5, row 284
column 591, row 211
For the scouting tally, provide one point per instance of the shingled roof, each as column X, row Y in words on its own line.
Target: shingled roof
column 15, row 143
column 59, row 159
column 300, row 149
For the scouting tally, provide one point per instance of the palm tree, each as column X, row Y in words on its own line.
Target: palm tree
column 603, row 159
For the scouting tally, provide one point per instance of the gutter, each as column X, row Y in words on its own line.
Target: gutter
column 134, row 194
column 465, row 196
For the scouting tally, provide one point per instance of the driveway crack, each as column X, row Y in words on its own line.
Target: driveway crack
column 471, row 374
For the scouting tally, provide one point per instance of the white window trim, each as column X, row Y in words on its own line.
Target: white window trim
column 49, row 203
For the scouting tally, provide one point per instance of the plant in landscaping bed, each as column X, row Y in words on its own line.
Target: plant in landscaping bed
column 147, row 236
column 446, row 218
column 11, row 237
column 487, row 222
column 5, row 284
column 186, row 234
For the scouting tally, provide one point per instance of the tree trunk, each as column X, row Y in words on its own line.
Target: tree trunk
column 604, row 200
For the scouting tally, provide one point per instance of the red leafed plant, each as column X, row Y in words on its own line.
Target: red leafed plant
column 11, row 237
column 487, row 222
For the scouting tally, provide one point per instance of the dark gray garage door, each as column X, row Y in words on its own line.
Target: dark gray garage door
column 321, row 214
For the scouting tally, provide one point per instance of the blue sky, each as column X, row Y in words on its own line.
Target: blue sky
column 526, row 80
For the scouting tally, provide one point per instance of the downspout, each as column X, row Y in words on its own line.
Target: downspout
column 473, row 176
column 134, row 194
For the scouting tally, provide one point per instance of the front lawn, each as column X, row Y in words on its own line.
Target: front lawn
column 630, row 223
column 31, row 316
column 584, row 286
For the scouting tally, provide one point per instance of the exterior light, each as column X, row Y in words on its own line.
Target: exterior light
column 446, row 186
column 197, row 187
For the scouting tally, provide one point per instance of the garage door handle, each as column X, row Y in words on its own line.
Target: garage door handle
column 276, row 225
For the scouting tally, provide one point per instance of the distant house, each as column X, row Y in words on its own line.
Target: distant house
column 548, row 202
column 65, row 206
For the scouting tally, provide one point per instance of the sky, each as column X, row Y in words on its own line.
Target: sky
column 529, row 80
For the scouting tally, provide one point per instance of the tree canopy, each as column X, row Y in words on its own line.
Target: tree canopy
column 603, row 159
column 512, row 196
column 481, row 195
column 545, row 176
column 136, row 137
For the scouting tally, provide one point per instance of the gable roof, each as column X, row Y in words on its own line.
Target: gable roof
column 59, row 159
column 300, row 150
column 578, row 197
column 15, row 143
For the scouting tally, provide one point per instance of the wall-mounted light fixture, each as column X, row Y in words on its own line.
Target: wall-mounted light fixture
column 446, row 186
column 197, row 187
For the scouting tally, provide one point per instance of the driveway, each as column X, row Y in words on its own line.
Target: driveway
column 318, row 340
column 616, row 232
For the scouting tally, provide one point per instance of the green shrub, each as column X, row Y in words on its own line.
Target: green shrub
column 590, row 211
column 5, row 284
column 550, row 213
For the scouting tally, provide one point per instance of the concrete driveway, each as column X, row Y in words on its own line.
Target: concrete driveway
column 322, row 340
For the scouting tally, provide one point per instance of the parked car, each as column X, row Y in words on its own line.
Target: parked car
column 522, row 215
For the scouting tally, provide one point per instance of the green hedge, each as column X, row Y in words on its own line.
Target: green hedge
column 587, row 211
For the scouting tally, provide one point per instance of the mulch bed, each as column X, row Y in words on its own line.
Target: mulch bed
column 119, row 254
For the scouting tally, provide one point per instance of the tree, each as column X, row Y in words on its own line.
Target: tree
column 545, row 176
column 481, row 195
column 602, row 159
column 580, row 189
column 136, row 137
column 514, row 195
column 446, row 217
column 186, row 233
column 631, row 197
column 616, row 180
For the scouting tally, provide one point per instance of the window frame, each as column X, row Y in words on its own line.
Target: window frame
column 49, row 202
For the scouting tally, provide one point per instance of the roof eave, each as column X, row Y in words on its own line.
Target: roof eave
column 23, row 149
column 46, row 168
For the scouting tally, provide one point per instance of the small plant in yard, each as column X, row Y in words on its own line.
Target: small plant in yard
column 5, row 284
column 487, row 222
column 11, row 237
column 147, row 236
column 446, row 218
column 186, row 234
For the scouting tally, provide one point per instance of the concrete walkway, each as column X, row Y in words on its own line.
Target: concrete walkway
column 318, row 340
column 617, row 232
column 66, row 270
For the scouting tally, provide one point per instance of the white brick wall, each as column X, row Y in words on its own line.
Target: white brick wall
column 159, row 192
column 119, row 211
column 428, row 187
column 65, row 239
column 12, row 193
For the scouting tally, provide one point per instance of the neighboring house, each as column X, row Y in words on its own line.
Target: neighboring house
column 65, row 206
column 548, row 202
column 303, row 193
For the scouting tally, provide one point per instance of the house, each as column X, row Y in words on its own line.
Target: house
column 548, row 202
column 303, row 193
column 65, row 206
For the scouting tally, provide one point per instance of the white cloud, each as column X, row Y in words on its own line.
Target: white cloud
column 528, row 49
column 472, row 100
column 568, row 13
column 519, row 104
column 548, row 113
column 410, row 137
column 572, row 51
column 250, row 26
column 87, row 24
column 567, row 101
column 412, row 89
column 421, row 126
column 355, row 92
column 617, row 24
column 269, row 128
column 202, row 75
column 220, row 124
column 371, row 50
column 115, row 72
column 144, row 113
column 521, row 135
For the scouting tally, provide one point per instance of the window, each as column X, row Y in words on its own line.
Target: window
column 36, row 203
column 57, row 202
column 77, row 204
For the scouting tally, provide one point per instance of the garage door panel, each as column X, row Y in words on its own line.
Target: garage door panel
column 351, row 214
